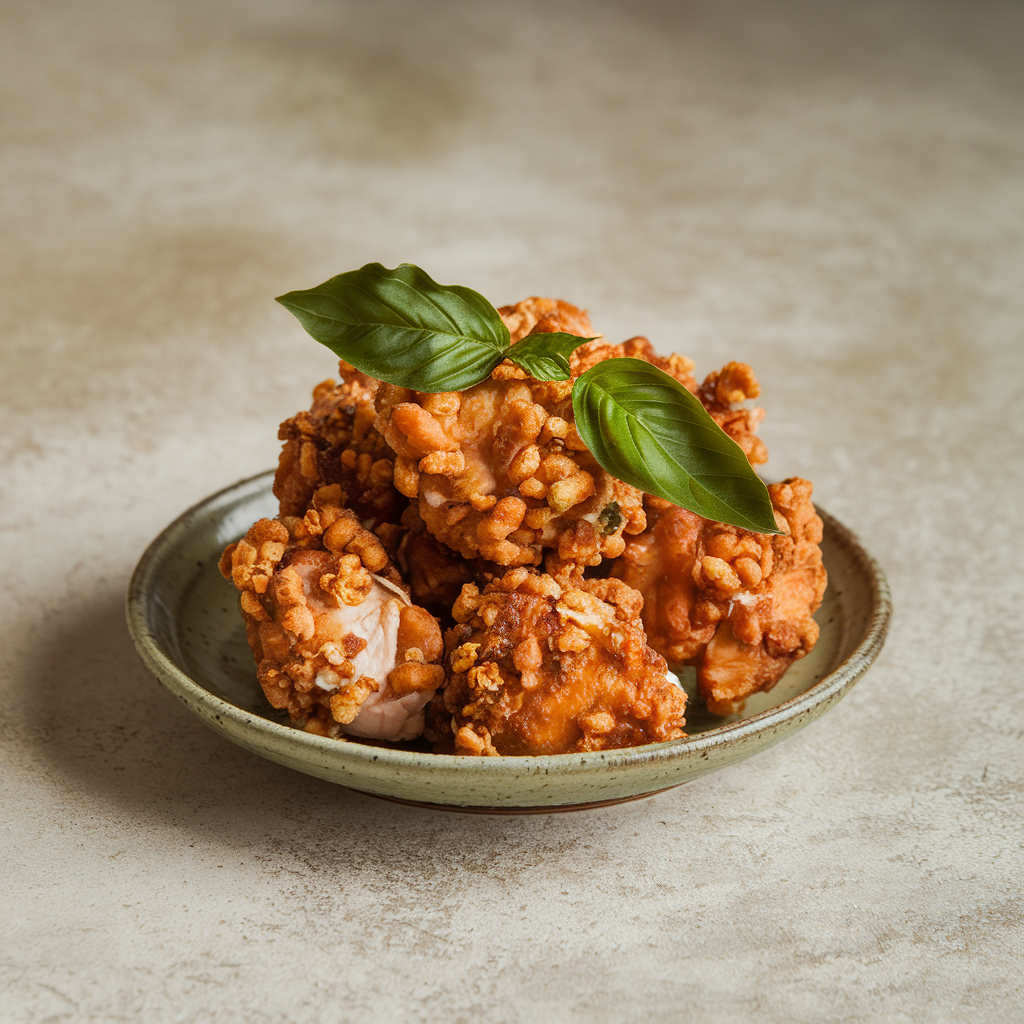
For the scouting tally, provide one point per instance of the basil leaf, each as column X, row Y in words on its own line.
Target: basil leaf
column 403, row 327
column 645, row 428
column 546, row 356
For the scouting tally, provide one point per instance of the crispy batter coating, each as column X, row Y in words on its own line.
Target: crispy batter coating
column 736, row 604
column 661, row 565
column 336, row 641
column 639, row 347
column 545, row 666
column 721, row 393
column 456, row 498
column 499, row 471
column 768, row 624
column 335, row 442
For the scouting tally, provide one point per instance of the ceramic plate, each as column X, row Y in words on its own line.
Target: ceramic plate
column 185, row 623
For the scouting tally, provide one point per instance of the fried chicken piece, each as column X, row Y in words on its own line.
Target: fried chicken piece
column 545, row 666
column 736, row 604
column 335, row 442
column 768, row 624
column 499, row 471
column 337, row 643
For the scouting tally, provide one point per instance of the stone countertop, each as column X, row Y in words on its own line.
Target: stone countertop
column 831, row 192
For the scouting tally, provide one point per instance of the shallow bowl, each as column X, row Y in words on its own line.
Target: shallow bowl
column 184, row 620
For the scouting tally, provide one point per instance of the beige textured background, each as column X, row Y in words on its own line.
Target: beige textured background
column 833, row 192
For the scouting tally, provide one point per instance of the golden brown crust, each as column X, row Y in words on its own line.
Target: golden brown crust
column 537, row 315
column 498, row 471
column 335, row 442
column 545, row 666
column 306, row 588
column 768, row 623
column 721, row 394
column 461, row 497
column 735, row 603
column 660, row 564
column 587, row 356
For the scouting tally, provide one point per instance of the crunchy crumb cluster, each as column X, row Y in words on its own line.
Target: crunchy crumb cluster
column 335, row 442
column 541, row 666
column 736, row 604
column 327, row 620
column 563, row 589
column 499, row 472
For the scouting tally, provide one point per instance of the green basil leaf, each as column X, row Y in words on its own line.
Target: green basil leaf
column 403, row 327
column 546, row 356
column 645, row 428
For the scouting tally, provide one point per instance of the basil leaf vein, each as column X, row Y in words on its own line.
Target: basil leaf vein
column 646, row 429
column 546, row 356
column 403, row 327
column 641, row 425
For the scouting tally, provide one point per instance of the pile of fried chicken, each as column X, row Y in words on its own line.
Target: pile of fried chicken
column 458, row 566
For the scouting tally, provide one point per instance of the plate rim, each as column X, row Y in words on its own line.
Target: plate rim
column 819, row 696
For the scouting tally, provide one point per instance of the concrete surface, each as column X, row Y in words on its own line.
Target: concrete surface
column 832, row 192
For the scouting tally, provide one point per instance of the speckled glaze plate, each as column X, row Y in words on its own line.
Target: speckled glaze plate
column 184, row 620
